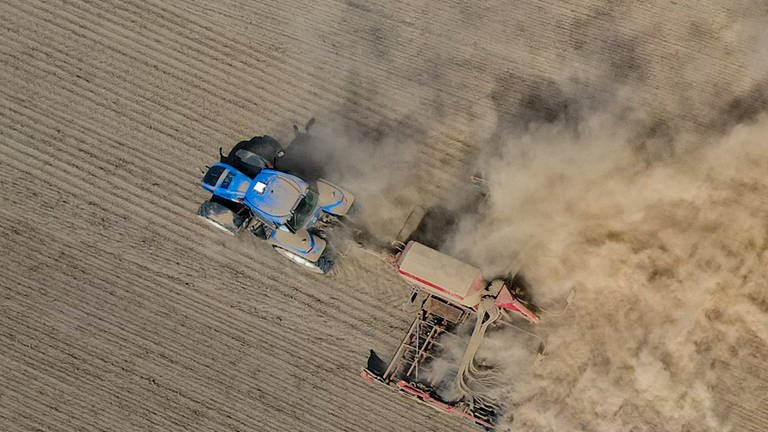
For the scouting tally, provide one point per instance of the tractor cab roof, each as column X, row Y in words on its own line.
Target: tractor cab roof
column 274, row 195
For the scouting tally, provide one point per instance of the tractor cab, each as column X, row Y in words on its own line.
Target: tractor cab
column 275, row 196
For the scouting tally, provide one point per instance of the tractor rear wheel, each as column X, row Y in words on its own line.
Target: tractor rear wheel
column 249, row 157
column 322, row 265
column 223, row 218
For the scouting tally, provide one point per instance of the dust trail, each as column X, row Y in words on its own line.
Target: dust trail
column 627, row 165
column 654, row 214
column 378, row 164
column 667, row 262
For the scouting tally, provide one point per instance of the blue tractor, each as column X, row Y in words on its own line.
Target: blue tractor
column 292, row 214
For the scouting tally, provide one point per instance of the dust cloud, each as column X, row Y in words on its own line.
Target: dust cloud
column 666, row 262
column 377, row 163
column 630, row 181
column 642, row 228
column 651, row 219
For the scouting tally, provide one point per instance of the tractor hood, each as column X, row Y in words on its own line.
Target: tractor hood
column 274, row 194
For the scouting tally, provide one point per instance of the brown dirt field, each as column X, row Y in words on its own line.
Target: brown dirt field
column 120, row 311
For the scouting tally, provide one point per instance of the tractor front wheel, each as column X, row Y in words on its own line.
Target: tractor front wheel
column 222, row 218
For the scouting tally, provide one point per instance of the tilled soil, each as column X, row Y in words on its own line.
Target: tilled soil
column 121, row 311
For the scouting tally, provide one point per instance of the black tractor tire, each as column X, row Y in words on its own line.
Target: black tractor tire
column 322, row 266
column 250, row 157
column 222, row 217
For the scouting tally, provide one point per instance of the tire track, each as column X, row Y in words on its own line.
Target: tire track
column 175, row 354
column 138, row 201
column 117, row 312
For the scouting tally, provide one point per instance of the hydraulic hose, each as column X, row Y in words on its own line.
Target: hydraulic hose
column 487, row 314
